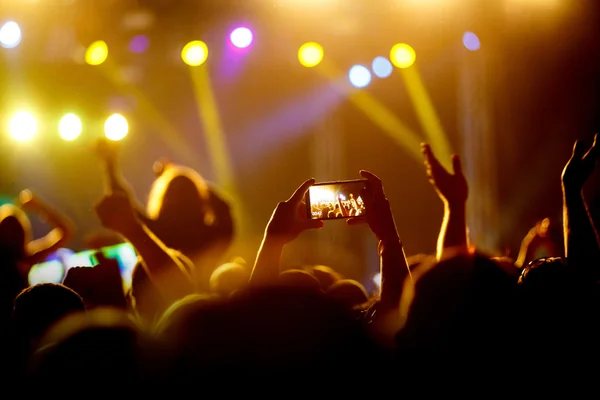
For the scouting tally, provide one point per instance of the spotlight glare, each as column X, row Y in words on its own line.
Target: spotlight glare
column 96, row 53
column 195, row 53
column 116, row 127
column 23, row 126
column 359, row 76
column 310, row 54
column 402, row 55
column 471, row 41
column 382, row 67
column 241, row 37
column 70, row 127
column 10, row 35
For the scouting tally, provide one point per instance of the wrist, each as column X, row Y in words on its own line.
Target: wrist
column 389, row 244
column 273, row 240
column 456, row 207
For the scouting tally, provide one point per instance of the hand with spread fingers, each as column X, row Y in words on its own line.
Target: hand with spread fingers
column 580, row 166
column 452, row 188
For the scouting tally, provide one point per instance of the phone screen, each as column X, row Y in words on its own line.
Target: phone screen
column 334, row 200
column 55, row 268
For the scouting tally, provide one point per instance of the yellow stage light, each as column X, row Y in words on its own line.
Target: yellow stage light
column 194, row 53
column 402, row 55
column 70, row 127
column 96, row 53
column 310, row 54
column 116, row 127
column 23, row 126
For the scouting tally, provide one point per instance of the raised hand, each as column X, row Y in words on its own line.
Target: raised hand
column 580, row 166
column 100, row 285
column 378, row 212
column 160, row 166
column 117, row 213
column 106, row 150
column 290, row 218
column 451, row 187
column 28, row 200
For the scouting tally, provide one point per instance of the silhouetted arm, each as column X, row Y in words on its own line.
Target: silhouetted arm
column 114, row 181
column 163, row 268
column 582, row 247
column 392, row 260
column 64, row 228
column 287, row 222
column 453, row 190
column 582, row 244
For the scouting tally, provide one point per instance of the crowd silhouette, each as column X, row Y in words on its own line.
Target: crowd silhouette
column 193, row 319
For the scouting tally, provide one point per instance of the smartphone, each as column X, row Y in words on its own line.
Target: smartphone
column 335, row 200
column 55, row 268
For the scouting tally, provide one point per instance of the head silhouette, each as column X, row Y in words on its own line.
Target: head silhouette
column 348, row 292
column 38, row 307
column 187, row 214
column 229, row 278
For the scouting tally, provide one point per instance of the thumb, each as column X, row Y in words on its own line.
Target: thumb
column 313, row 224
column 578, row 149
column 356, row 221
column 594, row 151
column 457, row 165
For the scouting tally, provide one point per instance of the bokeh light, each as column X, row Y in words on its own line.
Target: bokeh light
column 310, row 54
column 96, row 53
column 471, row 41
column 22, row 126
column 402, row 55
column 139, row 44
column 241, row 37
column 382, row 67
column 70, row 127
column 195, row 53
column 359, row 76
column 116, row 127
column 10, row 35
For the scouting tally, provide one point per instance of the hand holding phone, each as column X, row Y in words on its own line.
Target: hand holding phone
column 336, row 200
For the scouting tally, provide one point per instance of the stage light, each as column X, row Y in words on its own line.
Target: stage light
column 241, row 37
column 10, row 35
column 96, row 53
column 139, row 44
column 382, row 67
column 116, row 127
column 359, row 76
column 310, row 54
column 194, row 53
column 402, row 55
column 70, row 127
column 23, row 126
column 471, row 41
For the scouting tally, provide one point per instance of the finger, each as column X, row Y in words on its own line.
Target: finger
column 457, row 165
column 430, row 159
column 594, row 151
column 356, row 221
column 301, row 191
column 373, row 182
column 313, row 224
column 578, row 149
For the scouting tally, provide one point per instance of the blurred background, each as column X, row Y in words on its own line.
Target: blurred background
column 259, row 95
